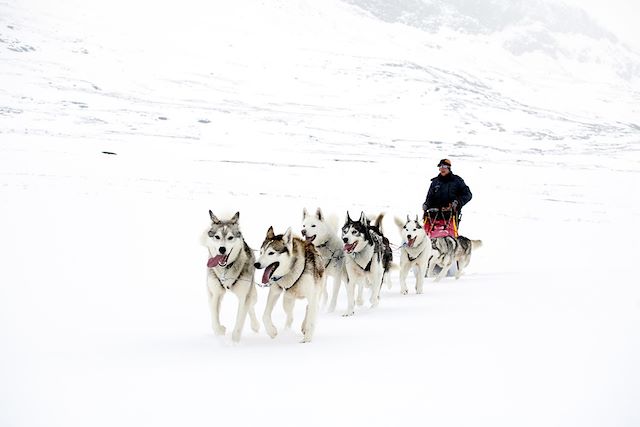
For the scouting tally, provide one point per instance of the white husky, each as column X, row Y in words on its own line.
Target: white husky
column 230, row 268
column 415, row 252
column 294, row 267
column 318, row 230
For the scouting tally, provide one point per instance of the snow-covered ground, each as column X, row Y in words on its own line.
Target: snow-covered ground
column 269, row 107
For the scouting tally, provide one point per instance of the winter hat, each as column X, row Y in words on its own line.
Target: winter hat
column 446, row 162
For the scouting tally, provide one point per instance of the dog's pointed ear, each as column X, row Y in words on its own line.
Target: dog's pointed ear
column 235, row 218
column 214, row 218
column 270, row 233
column 363, row 218
column 347, row 220
column 304, row 213
column 417, row 219
column 408, row 219
column 288, row 238
column 319, row 214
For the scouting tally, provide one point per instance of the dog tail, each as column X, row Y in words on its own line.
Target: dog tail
column 400, row 223
column 475, row 244
column 378, row 222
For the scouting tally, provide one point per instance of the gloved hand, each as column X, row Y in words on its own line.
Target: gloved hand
column 454, row 205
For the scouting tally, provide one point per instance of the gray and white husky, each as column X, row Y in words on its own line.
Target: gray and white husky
column 414, row 253
column 230, row 268
column 318, row 230
column 463, row 253
column 368, row 258
column 291, row 266
column 445, row 251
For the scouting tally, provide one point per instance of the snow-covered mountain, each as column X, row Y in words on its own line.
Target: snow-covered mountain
column 537, row 26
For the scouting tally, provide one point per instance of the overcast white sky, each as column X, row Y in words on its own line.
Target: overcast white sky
column 619, row 16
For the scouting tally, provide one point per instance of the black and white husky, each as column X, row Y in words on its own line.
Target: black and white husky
column 414, row 253
column 368, row 258
column 230, row 268
column 318, row 230
column 291, row 266
column 445, row 251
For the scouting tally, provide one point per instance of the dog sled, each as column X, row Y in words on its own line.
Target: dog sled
column 442, row 223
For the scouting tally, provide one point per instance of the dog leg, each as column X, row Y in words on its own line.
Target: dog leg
column 374, row 299
column 445, row 269
column 325, row 294
column 337, row 278
column 241, row 316
column 360, row 299
column 350, row 297
column 419, row 279
column 404, row 271
column 214, row 304
column 288, row 302
column 309, row 324
column 253, row 298
column 272, row 298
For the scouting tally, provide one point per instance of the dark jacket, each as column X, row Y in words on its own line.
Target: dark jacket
column 444, row 190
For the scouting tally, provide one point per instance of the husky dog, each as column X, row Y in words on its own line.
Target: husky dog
column 230, row 268
column 367, row 256
column 317, row 230
column 294, row 267
column 463, row 253
column 415, row 252
column 443, row 255
column 447, row 250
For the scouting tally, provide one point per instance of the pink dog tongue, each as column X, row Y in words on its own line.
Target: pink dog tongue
column 267, row 273
column 411, row 242
column 213, row 262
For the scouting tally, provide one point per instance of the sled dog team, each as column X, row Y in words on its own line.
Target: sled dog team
column 299, row 268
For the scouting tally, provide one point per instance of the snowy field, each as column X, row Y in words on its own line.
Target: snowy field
column 269, row 107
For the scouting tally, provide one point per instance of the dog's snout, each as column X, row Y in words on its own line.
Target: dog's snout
column 304, row 232
column 222, row 249
column 408, row 236
column 257, row 265
column 345, row 239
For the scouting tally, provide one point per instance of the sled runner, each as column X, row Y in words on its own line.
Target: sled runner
column 441, row 223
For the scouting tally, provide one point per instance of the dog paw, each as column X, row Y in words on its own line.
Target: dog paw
column 404, row 292
column 305, row 340
column 348, row 313
column 255, row 327
column 235, row 337
column 360, row 301
column 219, row 330
column 419, row 291
column 272, row 331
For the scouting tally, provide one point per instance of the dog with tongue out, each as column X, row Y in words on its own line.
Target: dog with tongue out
column 292, row 267
column 230, row 269
column 414, row 253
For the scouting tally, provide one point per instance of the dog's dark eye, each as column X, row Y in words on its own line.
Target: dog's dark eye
column 271, row 253
column 210, row 233
column 354, row 232
column 217, row 237
column 230, row 238
column 313, row 226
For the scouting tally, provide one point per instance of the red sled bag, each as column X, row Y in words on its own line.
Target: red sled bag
column 440, row 223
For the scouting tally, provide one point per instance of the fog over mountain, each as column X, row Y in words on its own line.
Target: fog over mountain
column 553, row 28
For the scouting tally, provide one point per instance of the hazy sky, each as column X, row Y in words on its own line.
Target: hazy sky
column 619, row 16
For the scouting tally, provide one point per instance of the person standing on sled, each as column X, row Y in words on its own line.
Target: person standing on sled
column 447, row 192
